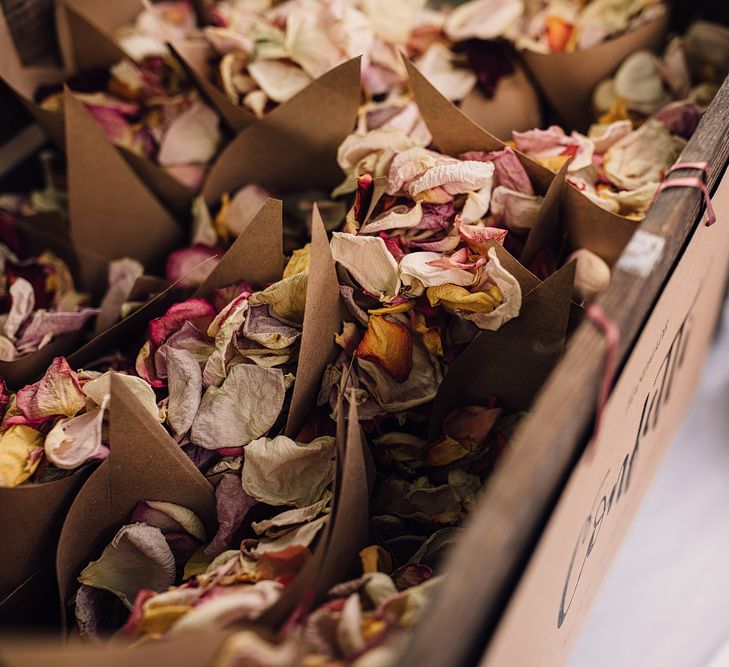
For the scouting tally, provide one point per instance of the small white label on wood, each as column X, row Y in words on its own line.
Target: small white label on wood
column 641, row 254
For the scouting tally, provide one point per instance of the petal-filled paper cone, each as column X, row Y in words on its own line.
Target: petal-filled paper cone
column 514, row 106
column 196, row 56
column 513, row 362
column 28, row 368
column 111, row 211
column 257, row 254
column 86, row 30
column 38, row 233
column 96, row 49
column 144, row 463
column 24, row 81
column 587, row 224
column 568, row 79
column 296, row 143
column 323, row 316
column 84, row 43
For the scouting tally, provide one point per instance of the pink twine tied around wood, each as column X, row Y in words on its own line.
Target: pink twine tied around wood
column 692, row 182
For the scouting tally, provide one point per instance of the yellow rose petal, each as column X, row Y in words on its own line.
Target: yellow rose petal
column 17, row 445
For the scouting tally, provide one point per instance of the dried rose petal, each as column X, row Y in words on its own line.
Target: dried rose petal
column 193, row 137
column 184, row 379
column 232, row 504
column 17, row 454
column 243, row 408
column 388, row 344
column 73, row 441
column 198, row 311
column 58, row 392
column 189, row 267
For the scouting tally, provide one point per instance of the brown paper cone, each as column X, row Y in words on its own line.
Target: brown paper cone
column 548, row 224
column 568, row 79
column 31, row 516
column 322, row 320
column 514, row 106
column 111, row 210
column 86, row 31
column 144, row 463
column 256, row 255
column 296, row 143
column 588, row 225
column 513, row 362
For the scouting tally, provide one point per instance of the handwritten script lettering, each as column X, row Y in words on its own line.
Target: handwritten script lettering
column 614, row 486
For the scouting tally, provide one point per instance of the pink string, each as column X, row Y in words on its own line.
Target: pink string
column 692, row 182
column 611, row 334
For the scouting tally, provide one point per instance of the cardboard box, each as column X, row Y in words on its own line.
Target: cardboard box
column 521, row 579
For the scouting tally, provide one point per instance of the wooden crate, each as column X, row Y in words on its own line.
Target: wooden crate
column 521, row 579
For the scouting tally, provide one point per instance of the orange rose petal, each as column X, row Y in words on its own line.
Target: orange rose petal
column 558, row 33
column 284, row 563
column 388, row 344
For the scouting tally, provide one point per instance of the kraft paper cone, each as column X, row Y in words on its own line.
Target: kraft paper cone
column 176, row 196
column 255, row 256
column 513, row 362
column 31, row 516
column 568, row 79
column 588, row 225
column 84, row 43
column 38, row 233
column 195, row 650
column 24, row 81
column 196, row 56
column 323, row 315
column 144, row 463
column 346, row 531
column 86, row 33
column 296, row 143
column 514, row 106
column 110, row 209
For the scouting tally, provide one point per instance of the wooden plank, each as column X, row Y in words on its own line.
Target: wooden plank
column 484, row 566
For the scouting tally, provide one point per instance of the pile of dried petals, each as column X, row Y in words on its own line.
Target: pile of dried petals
column 650, row 108
column 555, row 26
column 56, row 425
column 214, row 232
column 151, row 109
column 38, row 302
column 156, row 25
column 421, row 277
column 271, row 51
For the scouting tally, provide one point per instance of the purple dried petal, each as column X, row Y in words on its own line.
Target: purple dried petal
column 232, row 504
column 51, row 323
